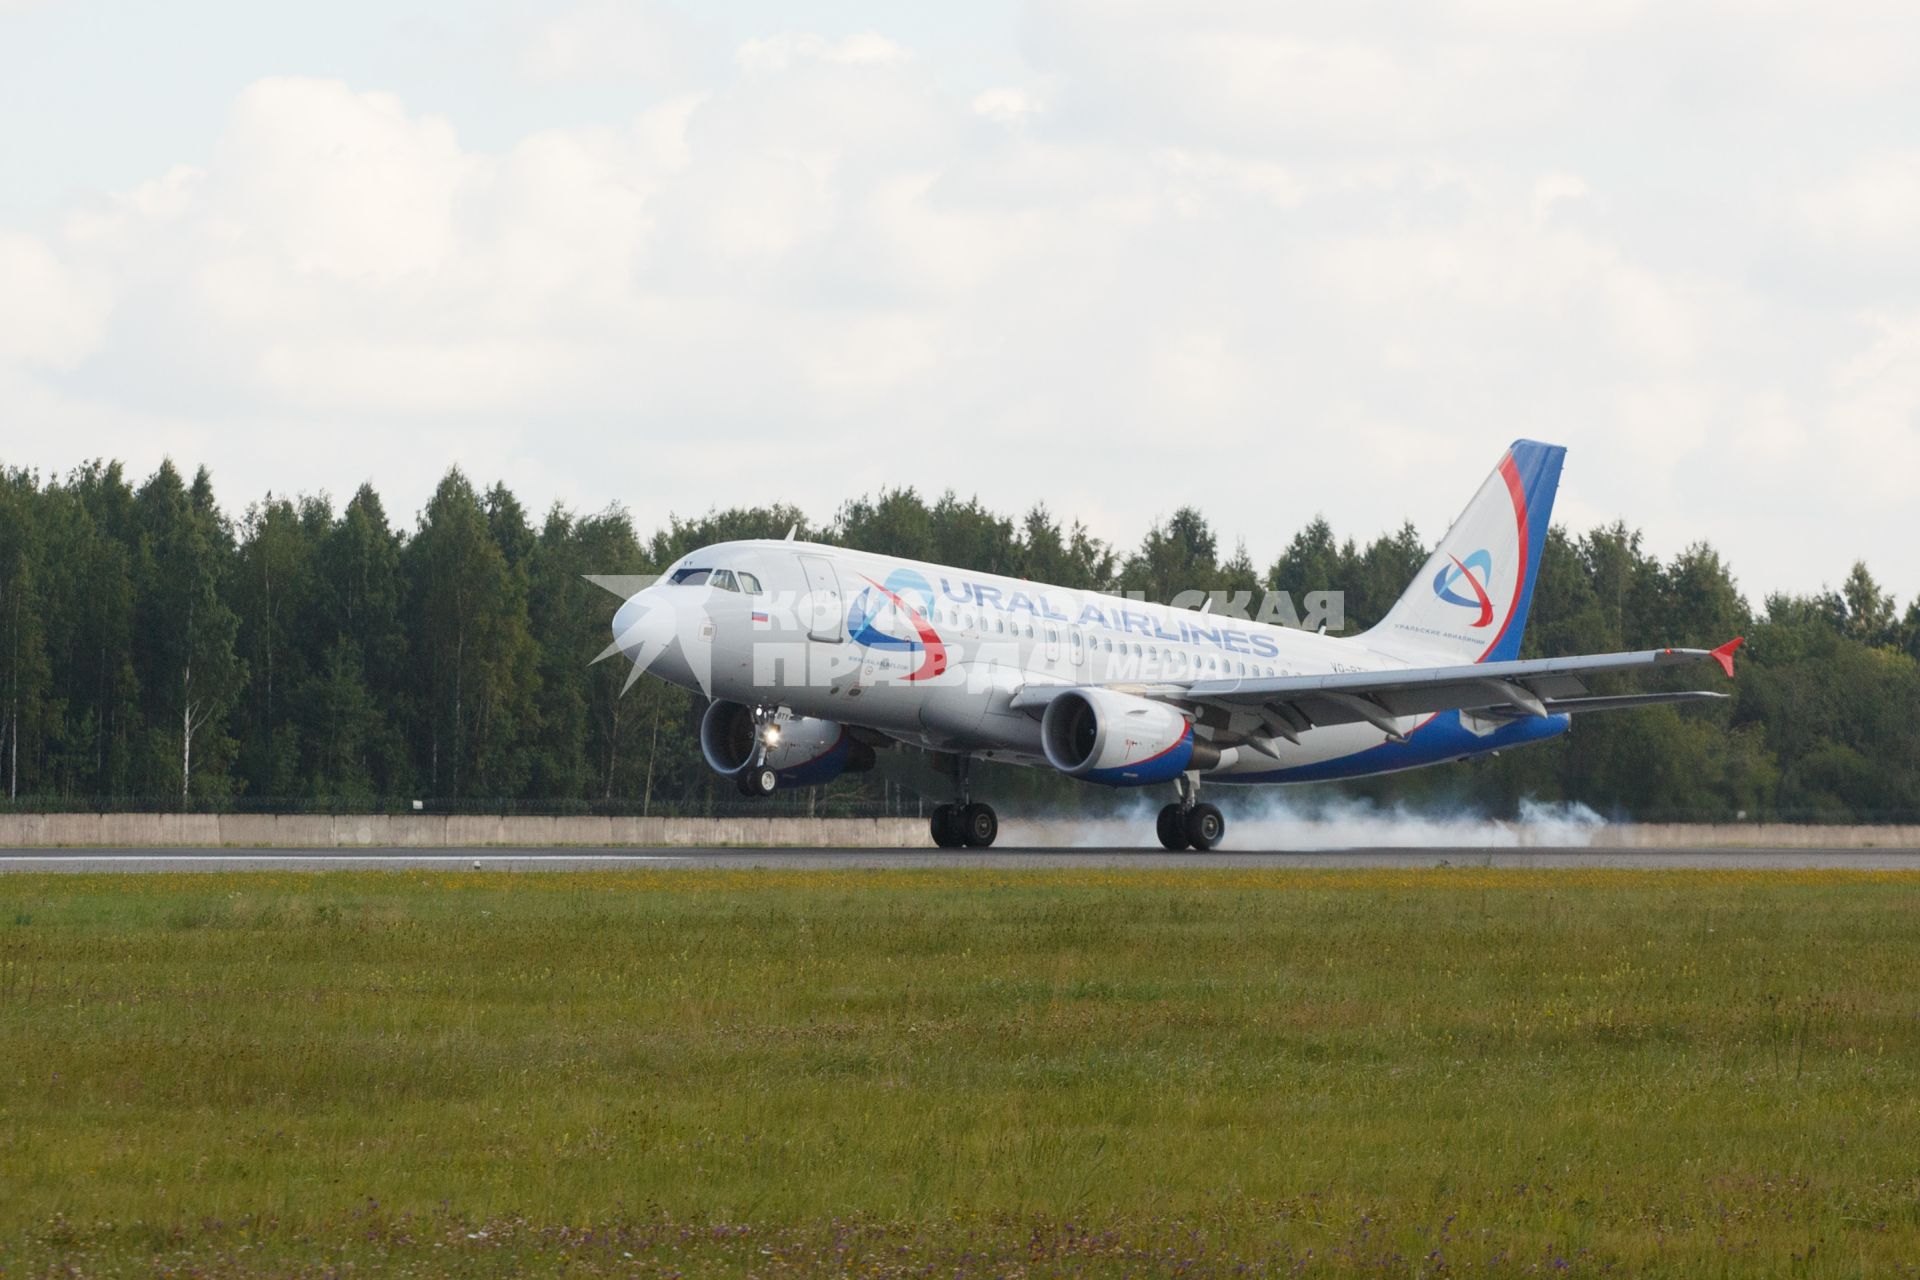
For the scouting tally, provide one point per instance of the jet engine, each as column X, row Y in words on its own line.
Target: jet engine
column 802, row 751
column 1119, row 739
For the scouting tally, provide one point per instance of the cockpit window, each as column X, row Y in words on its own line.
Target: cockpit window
column 719, row 579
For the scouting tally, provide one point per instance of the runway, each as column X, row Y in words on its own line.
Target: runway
column 1010, row 859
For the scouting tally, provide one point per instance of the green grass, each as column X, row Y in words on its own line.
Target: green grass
column 1410, row 1073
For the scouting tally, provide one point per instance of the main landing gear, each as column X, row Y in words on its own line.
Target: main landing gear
column 1187, row 824
column 966, row 823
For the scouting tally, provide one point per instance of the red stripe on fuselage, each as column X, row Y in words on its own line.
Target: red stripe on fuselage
column 930, row 641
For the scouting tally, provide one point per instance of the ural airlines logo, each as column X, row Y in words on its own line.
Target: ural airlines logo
column 893, row 616
column 1461, row 571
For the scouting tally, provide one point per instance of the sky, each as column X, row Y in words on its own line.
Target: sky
column 1271, row 259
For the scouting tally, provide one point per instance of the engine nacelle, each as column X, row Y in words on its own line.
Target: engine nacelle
column 805, row 752
column 1115, row 738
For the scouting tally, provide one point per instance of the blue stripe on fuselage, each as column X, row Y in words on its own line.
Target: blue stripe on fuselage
column 1440, row 739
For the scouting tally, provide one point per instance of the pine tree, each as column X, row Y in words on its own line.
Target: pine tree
column 1314, row 562
column 1869, row 615
column 272, row 596
column 94, row 714
column 366, row 658
column 473, row 660
column 25, row 675
column 1179, row 556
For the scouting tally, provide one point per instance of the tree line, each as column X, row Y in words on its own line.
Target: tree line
column 156, row 652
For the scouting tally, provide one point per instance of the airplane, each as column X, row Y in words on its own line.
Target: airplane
column 814, row 657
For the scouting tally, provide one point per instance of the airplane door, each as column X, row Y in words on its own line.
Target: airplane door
column 825, row 617
column 1076, row 646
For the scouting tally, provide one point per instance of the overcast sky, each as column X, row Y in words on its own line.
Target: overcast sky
column 1272, row 259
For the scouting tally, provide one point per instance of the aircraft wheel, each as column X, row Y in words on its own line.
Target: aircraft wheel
column 946, row 826
column 979, row 826
column 1205, row 827
column 1171, row 827
column 758, row 784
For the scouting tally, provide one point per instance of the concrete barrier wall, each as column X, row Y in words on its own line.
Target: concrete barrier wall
column 1751, row 835
column 441, row 831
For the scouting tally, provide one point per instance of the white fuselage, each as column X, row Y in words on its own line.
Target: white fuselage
column 933, row 656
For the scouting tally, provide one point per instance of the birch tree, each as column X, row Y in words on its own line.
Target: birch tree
column 185, row 634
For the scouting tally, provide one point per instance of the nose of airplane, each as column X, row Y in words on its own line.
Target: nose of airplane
column 624, row 620
column 648, row 630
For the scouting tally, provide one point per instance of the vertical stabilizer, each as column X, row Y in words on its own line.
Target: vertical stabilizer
column 1470, row 602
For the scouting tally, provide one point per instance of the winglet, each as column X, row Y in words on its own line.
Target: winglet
column 1724, row 654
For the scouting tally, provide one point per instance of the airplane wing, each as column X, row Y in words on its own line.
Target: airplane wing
column 1290, row 705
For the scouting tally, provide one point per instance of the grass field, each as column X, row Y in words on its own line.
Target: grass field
column 961, row 1073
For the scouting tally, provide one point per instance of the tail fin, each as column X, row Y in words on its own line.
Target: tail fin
column 1470, row 603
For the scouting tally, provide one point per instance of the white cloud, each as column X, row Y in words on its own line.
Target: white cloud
column 655, row 47
column 1872, row 429
column 1005, row 105
column 1270, row 259
column 778, row 53
column 331, row 182
column 1874, row 207
column 50, row 317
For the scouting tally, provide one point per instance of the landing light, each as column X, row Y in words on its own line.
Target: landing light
column 771, row 736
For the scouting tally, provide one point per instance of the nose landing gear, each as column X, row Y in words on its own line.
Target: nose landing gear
column 759, row 780
column 1187, row 824
column 966, row 823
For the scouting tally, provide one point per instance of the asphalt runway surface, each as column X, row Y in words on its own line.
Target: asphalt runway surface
column 999, row 859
